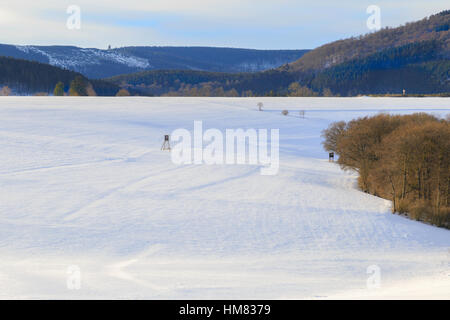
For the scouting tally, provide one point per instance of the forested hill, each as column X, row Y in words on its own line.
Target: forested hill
column 27, row 78
column 97, row 63
column 417, row 68
column 435, row 27
column 414, row 58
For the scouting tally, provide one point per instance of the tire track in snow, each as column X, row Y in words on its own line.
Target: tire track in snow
column 71, row 215
column 64, row 166
column 118, row 270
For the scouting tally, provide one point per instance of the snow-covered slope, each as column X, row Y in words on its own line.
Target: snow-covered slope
column 81, row 58
column 85, row 187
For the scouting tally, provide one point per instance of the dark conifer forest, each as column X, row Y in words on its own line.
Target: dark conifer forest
column 28, row 77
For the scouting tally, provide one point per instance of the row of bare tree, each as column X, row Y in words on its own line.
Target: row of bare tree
column 404, row 158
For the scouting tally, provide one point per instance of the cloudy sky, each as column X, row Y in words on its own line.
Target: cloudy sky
column 260, row 24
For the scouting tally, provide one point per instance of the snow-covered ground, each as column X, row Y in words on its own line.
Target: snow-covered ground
column 84, row 186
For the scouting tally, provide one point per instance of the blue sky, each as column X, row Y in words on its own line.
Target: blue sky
column 260, row 24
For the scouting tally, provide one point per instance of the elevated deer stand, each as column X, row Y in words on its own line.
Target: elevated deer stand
column 302, row 114
column 166, row 144
column 331, row 157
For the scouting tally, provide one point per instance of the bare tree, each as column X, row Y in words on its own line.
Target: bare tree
column 402, row 158
column 6, row 91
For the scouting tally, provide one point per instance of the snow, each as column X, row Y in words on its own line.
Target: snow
column 86, row 57
column 83, row 183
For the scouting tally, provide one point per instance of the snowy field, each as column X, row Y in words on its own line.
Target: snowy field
column 85, row 187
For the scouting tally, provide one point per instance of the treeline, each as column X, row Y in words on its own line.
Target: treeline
column 414, row 67
column 27, row 78
column 402, row 158
column 200, row 83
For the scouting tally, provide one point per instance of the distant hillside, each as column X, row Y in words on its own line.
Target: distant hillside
column 27, row 77
column 417, row 68
column 414, row 57
column 96, row 63
column 435, row 27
